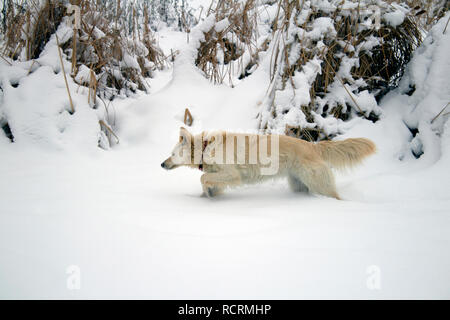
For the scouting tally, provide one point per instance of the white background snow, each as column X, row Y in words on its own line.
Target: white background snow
column 137, row 231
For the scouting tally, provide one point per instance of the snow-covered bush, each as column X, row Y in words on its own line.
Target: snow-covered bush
column 56, row 79
column 329, row 61
column 228, row 40
column 333, row 60
column 424, row 93
column 113, row 41
column 111, row 54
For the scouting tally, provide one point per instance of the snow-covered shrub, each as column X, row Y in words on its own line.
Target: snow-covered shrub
column 329, row 61
column 424, row 93
column 35, row 108
column 333, row 60
column 111, row 54
column 113, row 41
column 229, row 40
column 27, row 26
column 121, row 54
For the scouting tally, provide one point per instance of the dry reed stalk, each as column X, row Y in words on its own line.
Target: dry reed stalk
column 4, row 59
column 31, row 67
column 64, row 74
column 437, row 116
column 446, row 25
column 28, row 53
column 92, row 87
column 108, row 128
column 351, row 96
column 74, row 52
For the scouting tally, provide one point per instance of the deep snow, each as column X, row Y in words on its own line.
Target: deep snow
column 137, row 231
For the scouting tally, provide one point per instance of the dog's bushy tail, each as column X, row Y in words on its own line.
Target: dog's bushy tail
column 346, row 153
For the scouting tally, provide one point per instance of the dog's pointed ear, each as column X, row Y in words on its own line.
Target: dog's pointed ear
column 184, row 135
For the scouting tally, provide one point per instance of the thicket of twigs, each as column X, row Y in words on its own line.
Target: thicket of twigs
column 232, row 39
column 427, row 12
column 352, row 54
column 113, row 51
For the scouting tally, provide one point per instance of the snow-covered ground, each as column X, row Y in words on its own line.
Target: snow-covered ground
column 134, row 230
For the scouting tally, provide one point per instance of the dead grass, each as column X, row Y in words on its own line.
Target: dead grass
column 98, row 44
column 222, row 47
column 380, row 68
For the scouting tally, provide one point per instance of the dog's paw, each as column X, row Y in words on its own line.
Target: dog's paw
column 211, row 192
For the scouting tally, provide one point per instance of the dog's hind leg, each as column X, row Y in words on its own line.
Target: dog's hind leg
column 215, row 183
column 296, row 184
column 318, row 178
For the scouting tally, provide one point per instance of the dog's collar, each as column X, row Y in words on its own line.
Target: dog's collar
column 204, row 144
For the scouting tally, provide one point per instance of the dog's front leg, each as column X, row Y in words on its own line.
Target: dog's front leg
column 214, row 183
